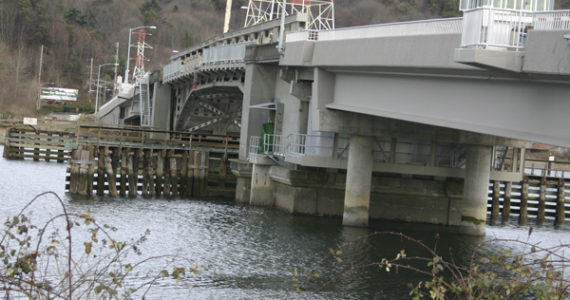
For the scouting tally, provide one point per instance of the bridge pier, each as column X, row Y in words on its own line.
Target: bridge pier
column 358, row 181
column 475, row 190
column 261, row 192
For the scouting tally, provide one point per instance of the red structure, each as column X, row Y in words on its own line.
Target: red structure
column 140, row 58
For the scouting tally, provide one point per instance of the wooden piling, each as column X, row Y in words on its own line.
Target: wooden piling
column 61, row 141
column 560, row 204
column 183, row 174
column 74, row 172
column 223, row 173
column 160, row 172
column 37, row 150
column 190, row 174
column 100, row 172
column 110, row 172
column 131, row 159
column 541, row 203
column 204, row 169
column 90, row 171
column 145, row 175
column 196, row 189
column 495, row 207
column 84, row 163
column 7, row 147
column 506, row 214
column 124, row 152
column 149, row 174
column 48, row 150
column 167, row 190
column 200, row 173
column 523, row 215
column 139, row 168
column 173, row 173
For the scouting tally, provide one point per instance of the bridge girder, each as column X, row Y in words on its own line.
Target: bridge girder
column 213, row 108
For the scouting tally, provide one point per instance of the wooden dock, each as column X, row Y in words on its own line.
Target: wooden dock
column 28, row 142
column 534, row 198
column 128, row 161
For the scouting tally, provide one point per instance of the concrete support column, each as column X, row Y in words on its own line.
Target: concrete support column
column 358, row 181
column 476, row 189
column 261, row 186
column 242, row 170
column 259, row 87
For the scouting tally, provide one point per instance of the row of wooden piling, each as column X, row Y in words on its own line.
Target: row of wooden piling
column 548, row 200
column 21, row 143
column 152, row 173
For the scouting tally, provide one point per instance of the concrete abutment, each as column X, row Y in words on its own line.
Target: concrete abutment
column 392, row 197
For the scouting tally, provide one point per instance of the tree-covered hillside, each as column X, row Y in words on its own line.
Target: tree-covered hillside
column 74, row 31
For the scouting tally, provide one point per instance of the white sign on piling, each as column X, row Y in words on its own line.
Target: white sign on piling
column 31, row 121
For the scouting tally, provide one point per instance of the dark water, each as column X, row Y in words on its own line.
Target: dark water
column 254, row 252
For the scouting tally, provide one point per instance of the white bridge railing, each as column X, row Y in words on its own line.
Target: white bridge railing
column 211, row 56
column 496, row 28
column 274, row 144
column 425, row 27
column 552, row 20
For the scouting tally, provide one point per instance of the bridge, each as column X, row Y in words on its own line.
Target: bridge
column 405, row 121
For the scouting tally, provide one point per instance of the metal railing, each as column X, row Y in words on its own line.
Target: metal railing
column 424, row 27
column 552, row 20
column 273, row 144
column 254, row 145
column 225, row 53
column 495, row 28
column 506, row 28
column 336, row 147
column 296, row 145
column 300, row 145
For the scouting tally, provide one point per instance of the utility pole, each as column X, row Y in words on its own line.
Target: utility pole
column 116, row 66
column 228, row 16
column 280, row 46
column 40, row 78
column 90, row 91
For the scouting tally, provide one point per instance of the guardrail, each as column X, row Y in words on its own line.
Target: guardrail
column 491, row 27
column 424, row 27
column 552, row 20
column 274, row 144
column 254, row 145
column 225, row 54
column 336, row 147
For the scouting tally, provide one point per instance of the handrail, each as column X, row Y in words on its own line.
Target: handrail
column 423, row 27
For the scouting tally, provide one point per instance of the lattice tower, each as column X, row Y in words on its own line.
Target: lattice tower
column 320, row 13
column 138, row 71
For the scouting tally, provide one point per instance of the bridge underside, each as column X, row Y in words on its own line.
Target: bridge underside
column 507, row 108
column 211, row 110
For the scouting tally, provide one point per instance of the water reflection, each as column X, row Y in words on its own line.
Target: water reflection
column 254, row 251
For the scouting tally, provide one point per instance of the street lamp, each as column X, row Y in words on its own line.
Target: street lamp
column 129, row 49
column 98, row 77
